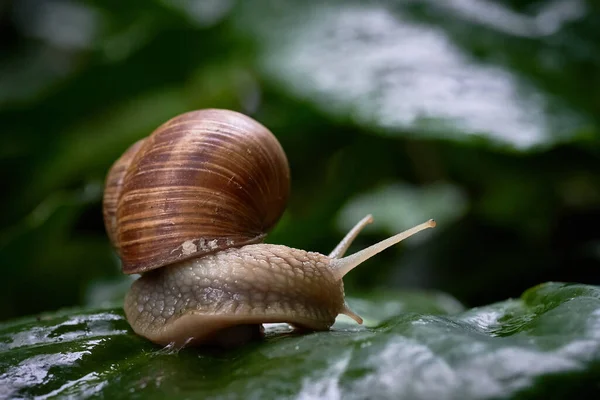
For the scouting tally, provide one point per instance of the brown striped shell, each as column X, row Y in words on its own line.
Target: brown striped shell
column 203, row 181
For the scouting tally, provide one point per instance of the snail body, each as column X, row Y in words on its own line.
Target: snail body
column 188, row 208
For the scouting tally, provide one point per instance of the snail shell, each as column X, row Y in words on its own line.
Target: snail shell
column 204, row 181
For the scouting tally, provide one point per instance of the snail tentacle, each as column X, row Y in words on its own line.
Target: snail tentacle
column 341, row 266
column 342, row 247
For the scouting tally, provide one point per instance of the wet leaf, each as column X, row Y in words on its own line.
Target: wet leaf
column 400, row 69
column 415, row 346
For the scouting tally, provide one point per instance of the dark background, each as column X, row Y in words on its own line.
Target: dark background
column 483, row 115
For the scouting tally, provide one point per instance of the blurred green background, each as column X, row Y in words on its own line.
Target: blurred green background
column 481, row 114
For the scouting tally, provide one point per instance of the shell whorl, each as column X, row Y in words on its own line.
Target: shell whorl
column 112, row 192
column 203, row 181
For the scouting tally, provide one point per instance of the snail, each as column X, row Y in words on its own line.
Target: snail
column 188, row 208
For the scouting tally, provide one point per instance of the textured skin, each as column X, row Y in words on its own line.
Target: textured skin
column 192, row 300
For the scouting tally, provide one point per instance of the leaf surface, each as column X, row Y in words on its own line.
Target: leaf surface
column 414, row 346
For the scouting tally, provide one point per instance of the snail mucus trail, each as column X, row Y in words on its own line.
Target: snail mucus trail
column 188, row 208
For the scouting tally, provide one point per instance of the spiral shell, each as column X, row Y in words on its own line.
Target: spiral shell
column 203, row 181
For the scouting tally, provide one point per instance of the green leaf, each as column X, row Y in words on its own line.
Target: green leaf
column 399, row 206
column 416, row 346
column 439, row 69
